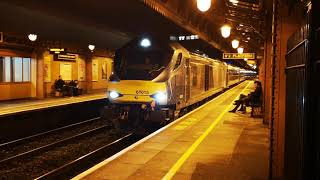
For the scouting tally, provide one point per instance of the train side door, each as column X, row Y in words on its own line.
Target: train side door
column 187, row 80
column 179, row 82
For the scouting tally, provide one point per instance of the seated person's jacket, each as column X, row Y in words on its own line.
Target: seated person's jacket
column 255, row 96
column 59, row 84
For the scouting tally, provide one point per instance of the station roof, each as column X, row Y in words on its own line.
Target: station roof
column 112, row 23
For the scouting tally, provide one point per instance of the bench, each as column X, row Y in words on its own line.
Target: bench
column 67, row 90
column 256, row 108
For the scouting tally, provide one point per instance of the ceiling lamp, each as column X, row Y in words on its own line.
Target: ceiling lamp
column 145, row 42
column 225, row 31
column 235, row 44
column 240, row 50
column 246, row 59
column 32, row 37
column 234, row 1
column 203, row 5
column 91, row 47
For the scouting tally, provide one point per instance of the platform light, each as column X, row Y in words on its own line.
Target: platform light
column 145, row 43
column 234, row 1
column 246, row 59
column 32, row 37
column 91, row 47
column 225, row 31
column 235, row 44
column 240, row 50
column 203, row 5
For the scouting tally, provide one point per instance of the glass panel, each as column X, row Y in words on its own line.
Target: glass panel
column 135, row 62
column 17, row 61
column 1, row 69
column 7, row 69
column 26, row 69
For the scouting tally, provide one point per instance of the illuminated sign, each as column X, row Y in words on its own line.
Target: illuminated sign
column 66, row 57
column 238, row 56
column 184, row 38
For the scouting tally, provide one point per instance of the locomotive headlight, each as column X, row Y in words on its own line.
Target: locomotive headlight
column 160, row 97
column 113, row 94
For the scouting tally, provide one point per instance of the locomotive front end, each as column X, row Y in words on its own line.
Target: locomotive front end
column 138, row 89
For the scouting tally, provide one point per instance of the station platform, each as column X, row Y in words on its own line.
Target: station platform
column 207, row 143
column 17, row 106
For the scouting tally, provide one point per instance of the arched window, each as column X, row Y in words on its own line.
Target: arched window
column 178, row 62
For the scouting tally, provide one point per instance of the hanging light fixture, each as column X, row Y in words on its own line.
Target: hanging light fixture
column 235, row 44
column 203, row 5
column 32, row 37
column 91, row 47
column 240, row 50
column 225, row 31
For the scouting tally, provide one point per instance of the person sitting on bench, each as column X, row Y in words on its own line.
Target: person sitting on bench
column 246, row 100
column 58, row 84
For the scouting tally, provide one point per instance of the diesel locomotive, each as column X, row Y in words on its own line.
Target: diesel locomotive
column 155, row 80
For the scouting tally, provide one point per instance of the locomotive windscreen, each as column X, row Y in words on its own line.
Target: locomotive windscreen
column 142, row 59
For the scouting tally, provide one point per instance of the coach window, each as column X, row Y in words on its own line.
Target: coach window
column 178, row 62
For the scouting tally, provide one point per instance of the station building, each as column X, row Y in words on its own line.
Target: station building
column 28, row 69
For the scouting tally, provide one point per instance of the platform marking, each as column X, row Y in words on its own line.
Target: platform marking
column 173, row 170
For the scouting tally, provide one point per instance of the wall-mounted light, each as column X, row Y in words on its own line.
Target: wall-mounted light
column 32, row 37
column 225, row 31
column 203, row 5
column 91, row 47
column 235, row 44
column 240, row 50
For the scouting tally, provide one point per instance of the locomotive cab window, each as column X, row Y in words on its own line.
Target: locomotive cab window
column 134, row 62
column 178, row 62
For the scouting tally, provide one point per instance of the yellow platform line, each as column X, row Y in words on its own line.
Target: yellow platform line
column 192, row 148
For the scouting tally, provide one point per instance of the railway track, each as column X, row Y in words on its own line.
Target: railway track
column 30, row 138
column 60, row 157
column 47, row 147
column 71, row 169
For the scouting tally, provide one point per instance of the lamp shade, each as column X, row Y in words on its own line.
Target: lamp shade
column 235, row 44
column 225, row 31
column 203, row 5
column 32, row 37
column 240, row 50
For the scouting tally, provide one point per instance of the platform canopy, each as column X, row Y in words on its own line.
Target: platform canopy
column 109, row 23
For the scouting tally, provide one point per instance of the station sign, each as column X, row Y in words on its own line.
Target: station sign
column 65, row 57
column 238, row 56
column 184, row 38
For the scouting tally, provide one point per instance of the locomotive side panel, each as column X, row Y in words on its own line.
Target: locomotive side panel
column 177, row 80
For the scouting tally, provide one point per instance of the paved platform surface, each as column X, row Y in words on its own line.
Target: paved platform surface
column 208, row 143
column 16, row 106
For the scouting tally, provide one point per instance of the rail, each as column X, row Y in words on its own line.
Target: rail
column 11, row 143
column 49, row 146
column 61, row 171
